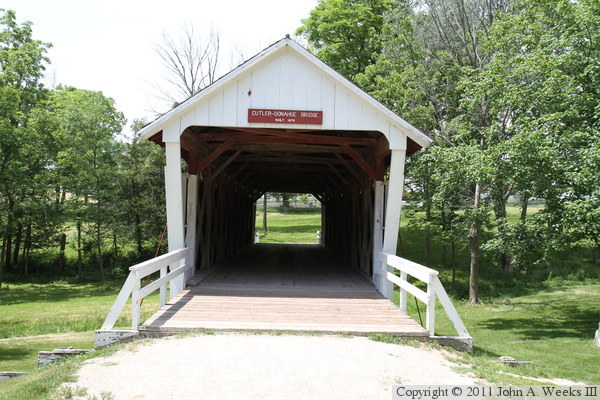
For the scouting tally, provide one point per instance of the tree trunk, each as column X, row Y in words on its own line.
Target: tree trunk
column 138, row 234
column 500, row 211
column 444, row 258
column 474, row 249
column 265, row 227
column 115, row 248
column 99, row 248
column 2, row 250
column 79, row 258
column 27, row 248
column 18, row 241
column 453, row 265
column 285, row 201
column 8, row 250
column 427, row 239
column 524, row 204
column 5, row 239
column 61, row 254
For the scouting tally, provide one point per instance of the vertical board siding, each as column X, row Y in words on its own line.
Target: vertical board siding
column 287, row 82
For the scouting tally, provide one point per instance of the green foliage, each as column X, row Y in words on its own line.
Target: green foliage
column 347, row 34
column 24, row 156
column 69, row 190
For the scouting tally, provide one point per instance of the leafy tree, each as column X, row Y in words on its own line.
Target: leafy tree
column 347, row 34
column 541, row 88
column 141, row 214
column 22, row 63
column 88, row 122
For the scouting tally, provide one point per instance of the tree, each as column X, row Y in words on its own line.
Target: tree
column 22, row 64
column 190, row 62
column 141, row 214
column 346, row 34
column 542, row 88
column 88, row 122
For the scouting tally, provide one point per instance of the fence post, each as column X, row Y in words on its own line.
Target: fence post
column 135, row 302
column 430, row 319
column 163, row 288
column 403, row 296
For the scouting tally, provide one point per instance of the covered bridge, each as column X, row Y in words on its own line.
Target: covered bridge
column 284, row 121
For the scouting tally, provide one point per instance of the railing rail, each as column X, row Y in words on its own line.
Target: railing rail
column 132, row 286
column 435, row 289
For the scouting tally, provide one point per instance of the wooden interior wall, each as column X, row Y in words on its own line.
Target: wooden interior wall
column 348, row 225
column 225, row 219
column 235, row 166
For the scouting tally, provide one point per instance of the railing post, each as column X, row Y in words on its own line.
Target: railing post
column 403, row 296
column 163, row 288
column 430, row 318
column 135, row 302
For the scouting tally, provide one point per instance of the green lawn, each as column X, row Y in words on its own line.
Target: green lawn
column 36, row 317
column 297, row 225
column 545, row 321
column 553, row 327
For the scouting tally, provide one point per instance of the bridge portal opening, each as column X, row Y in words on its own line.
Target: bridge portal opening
column 288, row 218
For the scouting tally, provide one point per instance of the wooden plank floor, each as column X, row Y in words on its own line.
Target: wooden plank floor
column 283, row 287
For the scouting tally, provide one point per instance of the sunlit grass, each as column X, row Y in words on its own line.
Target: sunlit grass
column 35, row 317
column 295, row 226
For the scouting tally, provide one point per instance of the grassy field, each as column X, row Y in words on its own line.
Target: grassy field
column 35, row 317
column 289, row 226
column 549, row 321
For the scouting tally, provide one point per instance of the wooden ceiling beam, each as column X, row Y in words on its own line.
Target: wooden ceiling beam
column 309, row 137
column 294, row 149
column 201, row 166
column 362, row 162
column 226, row 163
column 350, row 168
column 294, row 139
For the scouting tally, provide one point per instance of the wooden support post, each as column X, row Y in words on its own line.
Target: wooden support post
column 392, row 214
column 190, row 231
column 378, row 233
column 430, row 317
column 174, row 197
column 135, row 303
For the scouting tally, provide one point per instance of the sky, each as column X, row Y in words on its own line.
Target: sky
column 108, row 45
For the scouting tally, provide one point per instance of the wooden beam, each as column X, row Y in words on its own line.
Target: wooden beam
column 213, row 156
column 296, row 139
column 350, row 168
column 339, row 175
column 323, row 138
column 226, row 163
column 361, row 162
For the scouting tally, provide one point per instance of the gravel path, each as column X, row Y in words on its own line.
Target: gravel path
column 237, row 366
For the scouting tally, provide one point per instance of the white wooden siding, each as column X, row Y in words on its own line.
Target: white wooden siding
column 288, row 81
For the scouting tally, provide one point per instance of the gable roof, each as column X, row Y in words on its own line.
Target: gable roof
column 382, row 112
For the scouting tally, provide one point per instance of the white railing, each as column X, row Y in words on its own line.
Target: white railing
column 132, row 286
column 435, row 289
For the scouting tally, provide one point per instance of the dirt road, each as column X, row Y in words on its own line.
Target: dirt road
column 238, row 366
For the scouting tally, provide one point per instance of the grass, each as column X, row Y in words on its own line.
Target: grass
column 548, row 318
column 36, row 317
column 45, row 383
column 552, row 327
column 292, row 225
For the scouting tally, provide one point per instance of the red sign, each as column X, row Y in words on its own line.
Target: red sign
column 285, row 116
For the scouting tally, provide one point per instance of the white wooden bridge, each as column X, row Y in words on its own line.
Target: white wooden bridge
column 283, row 122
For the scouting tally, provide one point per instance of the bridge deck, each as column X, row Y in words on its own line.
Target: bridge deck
column 283, row 287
